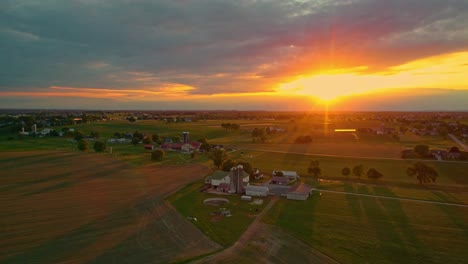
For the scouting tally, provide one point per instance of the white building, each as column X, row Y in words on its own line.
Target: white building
column 219, row 177
column 253, row 190
column 299, row 192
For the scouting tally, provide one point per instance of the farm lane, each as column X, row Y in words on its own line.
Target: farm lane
column 395, row 198
column 256, row 234
column 454, row 138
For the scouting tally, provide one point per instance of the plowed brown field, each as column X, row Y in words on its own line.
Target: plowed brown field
column 75, row 207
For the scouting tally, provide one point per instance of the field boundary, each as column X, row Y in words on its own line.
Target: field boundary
column 347, row 156
column 395, row 198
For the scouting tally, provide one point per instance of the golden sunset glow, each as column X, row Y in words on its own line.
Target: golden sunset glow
column 445, row 71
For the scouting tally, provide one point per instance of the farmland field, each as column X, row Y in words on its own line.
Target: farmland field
column 354, row 229
column 61, row 205
column 68, row 206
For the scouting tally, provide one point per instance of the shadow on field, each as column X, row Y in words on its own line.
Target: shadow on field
column 398, row 217
column 389, row 239
column 452, row 213
column 354, row 204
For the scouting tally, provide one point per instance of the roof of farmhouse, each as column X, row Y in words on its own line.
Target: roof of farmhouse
column 300, row 188
column 218, row 175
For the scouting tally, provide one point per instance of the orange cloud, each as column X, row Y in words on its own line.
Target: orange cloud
column 443, row 71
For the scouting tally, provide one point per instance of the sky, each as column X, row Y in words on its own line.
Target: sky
column 399, row 55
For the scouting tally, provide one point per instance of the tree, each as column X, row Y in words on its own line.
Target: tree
column 176, row 139
column 374, row 174
column 314, row 168
column 423, row 172
column 246, row 166
column 132, row 119
column 227, row 165
column 77, row 135
column 157, row 155
column 155, row 138
column 443, row 131
column 403, row 129
column 117, row 135
column 138, row 135
column 94, row 134
column 204, row 146
column 135, row 141
column 148, row 139
column 218, row 156
column 99, row 146
column 358, row 170
column 421, row 150
column 346, row 171
column 83, row 144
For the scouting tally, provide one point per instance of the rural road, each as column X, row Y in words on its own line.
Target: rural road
column 454, row 138
column 345, row 156
column 256, row 229
column 395, row 198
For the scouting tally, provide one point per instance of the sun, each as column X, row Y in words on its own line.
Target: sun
column 329, row 86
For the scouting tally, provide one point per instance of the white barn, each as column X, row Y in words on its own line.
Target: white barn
column 299, row 192
column 253, row 190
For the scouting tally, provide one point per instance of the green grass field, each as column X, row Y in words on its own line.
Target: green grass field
column 355, row 229
column 189, row 202
column 393, row 170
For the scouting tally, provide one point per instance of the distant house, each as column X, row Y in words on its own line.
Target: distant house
column 184, row 147
column 454, row 153
column 299, row 192
column 45, row 131
column 253, row 190
column 279, row 180
column 148, row 147
column 439, row 153
column 216, row 146
column 257, row 174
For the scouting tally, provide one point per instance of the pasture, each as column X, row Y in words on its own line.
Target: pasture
column 75, row 207
column 394, row 170
column 225, row 230
column 354, row 229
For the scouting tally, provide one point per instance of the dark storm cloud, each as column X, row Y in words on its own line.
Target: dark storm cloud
column 215, row 46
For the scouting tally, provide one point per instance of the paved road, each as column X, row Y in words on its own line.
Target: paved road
column 395, row 198
column 345, row 156
column 454, row 138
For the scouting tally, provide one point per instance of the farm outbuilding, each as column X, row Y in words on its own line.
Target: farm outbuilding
column 299, row 192
column 279, row 180
column 253, row 190
column 291, row 175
